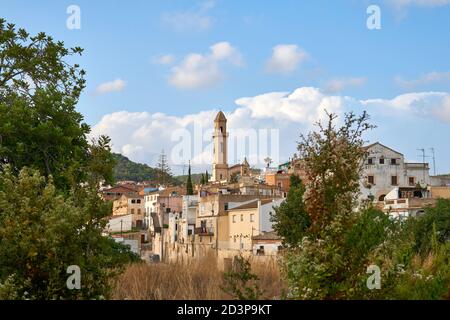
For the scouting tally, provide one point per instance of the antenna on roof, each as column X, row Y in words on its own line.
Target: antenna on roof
column 434, row 161
column 423, row 161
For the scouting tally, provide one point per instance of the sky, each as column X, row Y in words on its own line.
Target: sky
column 157, row 70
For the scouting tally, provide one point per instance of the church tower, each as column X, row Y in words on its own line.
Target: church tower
column 220, row 137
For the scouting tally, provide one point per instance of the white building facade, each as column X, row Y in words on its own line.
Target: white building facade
column 385, row 169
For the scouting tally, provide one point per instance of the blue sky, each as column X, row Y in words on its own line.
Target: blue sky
column 160, row 57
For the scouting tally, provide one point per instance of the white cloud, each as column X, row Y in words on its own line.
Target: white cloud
column 142, row 135
column 199, row 71
column 401, row 4
column 193, row 19
column 305, row 105
column 112, row 86
column 285, row 58
column 164, row 59
column 337, row 85
column 421, row 104
column 429, row 78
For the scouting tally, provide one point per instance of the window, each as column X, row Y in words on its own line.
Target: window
column 279, row 184
column 226, row 206
column 393, row 161
column 138, row 211
column 394, row 181
column 221, row 129
column 381, row 198
column 252, row 217
column 220, row 176
column 370, row 161
column 371, row 179
column 221, row 147
column 138, row 200
column 133, row 201
column 381, row 160
column 234, row 218
column 242, row 217
column 132, row 211
column 412, row 181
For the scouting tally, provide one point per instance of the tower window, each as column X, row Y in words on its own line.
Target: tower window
column 221, row 129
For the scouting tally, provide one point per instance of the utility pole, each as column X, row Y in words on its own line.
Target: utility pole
column 434, row 161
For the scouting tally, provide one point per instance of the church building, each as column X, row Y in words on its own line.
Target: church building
column 220, row 171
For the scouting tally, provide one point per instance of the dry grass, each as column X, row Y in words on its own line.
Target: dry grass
column 194, row 280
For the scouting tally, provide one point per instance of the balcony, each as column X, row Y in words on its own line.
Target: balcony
column 204, row 231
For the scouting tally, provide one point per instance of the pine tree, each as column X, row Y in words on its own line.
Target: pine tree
column 163, row 169
column 189, row 188
column 202, row 179
column 206, row 177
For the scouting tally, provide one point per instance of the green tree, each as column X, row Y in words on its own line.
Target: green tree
column 439, row 215
column 42, row 233
column 189, row 188
column 202, row 179
column 346, row 237
column 39, row 125
column 290, row 219
column 206, row 177
column 333, row 158
column 163, row 169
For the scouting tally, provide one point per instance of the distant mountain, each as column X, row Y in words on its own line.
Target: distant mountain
column 126, row 169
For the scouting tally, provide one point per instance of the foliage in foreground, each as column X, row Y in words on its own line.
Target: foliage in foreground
column 240, row 282
column 42, row 233
column 329, row 258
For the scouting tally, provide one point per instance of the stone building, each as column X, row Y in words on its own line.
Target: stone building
column 385, row 169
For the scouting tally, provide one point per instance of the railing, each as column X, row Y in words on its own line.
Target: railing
column 204, row 231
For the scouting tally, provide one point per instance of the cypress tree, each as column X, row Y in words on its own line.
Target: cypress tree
column 189, row 188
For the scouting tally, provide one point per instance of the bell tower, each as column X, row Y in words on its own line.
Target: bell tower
column 220, row 155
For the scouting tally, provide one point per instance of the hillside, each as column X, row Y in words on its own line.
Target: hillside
column 196, row 177
column 126, row 169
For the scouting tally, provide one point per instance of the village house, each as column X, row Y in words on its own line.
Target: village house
column 248, row 220
column 266, row 244
column 385, row 169
column 114, row 193
column 186, row 222
column 404, row 202
column 120, row 223
column 130, row 205
column 212, row 217
column 161, row 207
